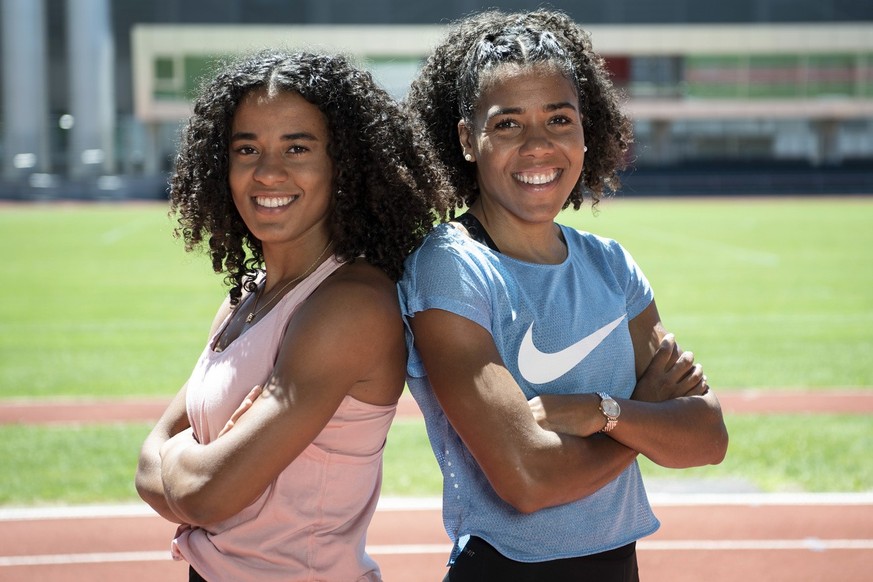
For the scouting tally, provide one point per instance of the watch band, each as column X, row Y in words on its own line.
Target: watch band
column 611, row 415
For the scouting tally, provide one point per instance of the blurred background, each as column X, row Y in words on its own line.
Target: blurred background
column 102, row 313
column 742, row 97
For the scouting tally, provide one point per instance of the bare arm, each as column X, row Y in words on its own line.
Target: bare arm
column 529, row 467
column 149, row 484
column 173, row 421
column 672, row 418
column 685, row 431
column 346, row 338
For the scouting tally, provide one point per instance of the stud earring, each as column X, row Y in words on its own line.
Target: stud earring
column 585, row 149
column 468, row 157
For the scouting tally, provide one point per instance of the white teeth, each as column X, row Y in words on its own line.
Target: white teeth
column 537, row 179
column 273, row 202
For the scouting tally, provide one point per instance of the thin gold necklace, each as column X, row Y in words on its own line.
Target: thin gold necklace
column 255, row 310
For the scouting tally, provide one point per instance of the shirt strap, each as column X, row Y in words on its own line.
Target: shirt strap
column 476, row 230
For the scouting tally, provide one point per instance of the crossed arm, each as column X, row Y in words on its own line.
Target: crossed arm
column 531, row 467
column 340, row 340
column 672, row 417
column 174, row 421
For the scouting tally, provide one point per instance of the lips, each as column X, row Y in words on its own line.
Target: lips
column 274, row 201
column 537, row 178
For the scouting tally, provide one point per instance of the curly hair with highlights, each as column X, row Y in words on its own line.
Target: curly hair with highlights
column 387, row 187
column 449, row 85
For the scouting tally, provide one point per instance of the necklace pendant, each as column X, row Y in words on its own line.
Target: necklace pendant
column 250, row 317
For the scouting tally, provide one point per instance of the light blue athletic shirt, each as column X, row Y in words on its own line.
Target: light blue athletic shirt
column 596, row 290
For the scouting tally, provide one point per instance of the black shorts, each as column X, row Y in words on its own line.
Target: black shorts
column 193, row 576
column 480, row 562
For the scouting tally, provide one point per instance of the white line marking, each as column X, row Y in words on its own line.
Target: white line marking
column 95, row 558
column 808, row 544
column 813, row 544
column 434, row 504
column 407, row 549
column 142, row 510
column 409, row 504
column 122, row 231
column 759, row 499
column 76, row 512
column 717, row 249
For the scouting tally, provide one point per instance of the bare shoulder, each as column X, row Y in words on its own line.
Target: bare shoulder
column 351, row 329
column 360, row 286
column 357, row 296
column 362, row 274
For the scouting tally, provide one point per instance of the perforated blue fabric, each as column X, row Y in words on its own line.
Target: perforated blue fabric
column 587, row 300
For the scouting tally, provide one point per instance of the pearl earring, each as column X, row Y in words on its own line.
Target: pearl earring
column 585, row 149
column 468, row 157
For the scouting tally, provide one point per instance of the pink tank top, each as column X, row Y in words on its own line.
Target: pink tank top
column 311, row 522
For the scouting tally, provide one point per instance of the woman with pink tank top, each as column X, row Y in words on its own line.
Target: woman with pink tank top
column 308, row 188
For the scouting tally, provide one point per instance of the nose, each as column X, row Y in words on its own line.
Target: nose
column 536, row 142
column 270, row 169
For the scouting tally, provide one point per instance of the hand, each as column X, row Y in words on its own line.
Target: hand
column 576, row 414
column 246, row 404
column 671, row 374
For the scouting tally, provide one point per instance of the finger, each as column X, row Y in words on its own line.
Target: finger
column 695, row 382
column 665, row 354
column 693, row 374
column 254, row 393
column 681, row 367
column 247, row 402
column 244, row 406
column 226, row 428
column 242, row 409
column 686, row 359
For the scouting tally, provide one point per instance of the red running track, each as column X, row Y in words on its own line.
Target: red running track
column 719, row 538
column 746, row 537
column 842, row 401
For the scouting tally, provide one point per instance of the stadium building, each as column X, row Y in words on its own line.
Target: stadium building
column 746, row 97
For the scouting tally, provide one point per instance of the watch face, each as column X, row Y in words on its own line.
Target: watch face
column 610, row 407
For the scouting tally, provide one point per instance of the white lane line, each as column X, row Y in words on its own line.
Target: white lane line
column 808, row 544
column 813, row 544
column 391, row 504
column 122, row 231
column 759, row 499
column 93, row 558
column 76, row 512
column 407, row 549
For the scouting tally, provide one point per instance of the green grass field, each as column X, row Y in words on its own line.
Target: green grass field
column 101, row 301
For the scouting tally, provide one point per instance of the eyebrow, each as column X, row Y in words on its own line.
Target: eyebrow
column 561, row 105
column 548, row 107
column 243, row 135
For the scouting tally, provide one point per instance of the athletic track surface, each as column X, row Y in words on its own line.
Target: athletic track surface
column 704, row 537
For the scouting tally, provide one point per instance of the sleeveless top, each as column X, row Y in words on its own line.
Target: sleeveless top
column 559, row 329
column 311, row 522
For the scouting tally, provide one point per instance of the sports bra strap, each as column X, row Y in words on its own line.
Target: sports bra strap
column 476, row 230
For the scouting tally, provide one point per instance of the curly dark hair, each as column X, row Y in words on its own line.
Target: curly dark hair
column 388, row 190
column 447, row 89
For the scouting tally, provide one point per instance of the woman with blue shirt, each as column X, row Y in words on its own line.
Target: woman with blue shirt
column 536, row 351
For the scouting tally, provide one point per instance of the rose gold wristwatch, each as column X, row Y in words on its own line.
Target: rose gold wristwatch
column 610, row 409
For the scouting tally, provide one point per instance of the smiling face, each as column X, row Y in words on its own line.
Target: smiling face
column 527, row 140
column 281, row 175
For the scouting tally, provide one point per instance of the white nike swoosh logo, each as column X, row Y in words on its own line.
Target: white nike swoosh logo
column 539, row 368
